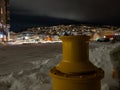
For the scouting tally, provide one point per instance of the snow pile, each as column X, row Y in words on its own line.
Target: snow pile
column 100, row 56
column 104, row 86
column 35, row 79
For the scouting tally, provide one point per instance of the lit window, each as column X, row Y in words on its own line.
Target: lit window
column 1, row 10
column 1, row 35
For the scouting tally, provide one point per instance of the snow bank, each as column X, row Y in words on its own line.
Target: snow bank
column 100, row 56
column 35, row 79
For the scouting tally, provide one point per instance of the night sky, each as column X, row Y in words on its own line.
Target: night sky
column 26, row 13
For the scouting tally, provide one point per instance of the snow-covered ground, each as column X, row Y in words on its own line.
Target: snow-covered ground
column 26, row 67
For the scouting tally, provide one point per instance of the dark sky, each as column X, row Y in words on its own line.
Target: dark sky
column 49, row 12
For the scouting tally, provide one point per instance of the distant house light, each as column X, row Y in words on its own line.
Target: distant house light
column 104, row 36
column 38, row 28
column 116, row 34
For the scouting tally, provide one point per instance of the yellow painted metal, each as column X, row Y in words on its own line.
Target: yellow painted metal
column 75, row 71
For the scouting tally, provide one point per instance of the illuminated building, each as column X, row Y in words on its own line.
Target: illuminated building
column 4, row 19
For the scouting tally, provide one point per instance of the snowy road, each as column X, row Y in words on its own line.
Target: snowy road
column 16, row 58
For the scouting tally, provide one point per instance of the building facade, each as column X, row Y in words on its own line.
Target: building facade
column 4, row 19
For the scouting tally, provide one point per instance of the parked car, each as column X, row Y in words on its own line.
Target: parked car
column 103, row 40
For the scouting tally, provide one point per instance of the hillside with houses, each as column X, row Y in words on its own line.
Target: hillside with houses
column 52, row 33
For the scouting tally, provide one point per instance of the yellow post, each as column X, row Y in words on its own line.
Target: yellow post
column 75, row 71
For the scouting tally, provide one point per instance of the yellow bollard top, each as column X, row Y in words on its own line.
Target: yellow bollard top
column 76, row 55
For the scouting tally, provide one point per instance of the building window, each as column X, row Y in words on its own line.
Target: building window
column 1, row 10
column 2, row 20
